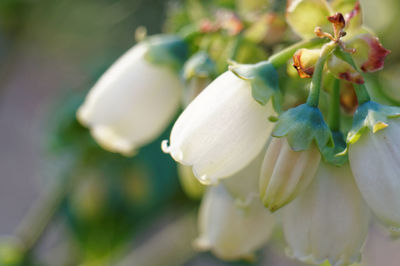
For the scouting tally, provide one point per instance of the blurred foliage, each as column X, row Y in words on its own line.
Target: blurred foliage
column 13, row 14
column 244, row 31
column 86, row 31
column 11, row 255
column 114, row 196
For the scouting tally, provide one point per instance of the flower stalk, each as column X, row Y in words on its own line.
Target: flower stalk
column 362, row 94
column 334, row 112
column 313, row 97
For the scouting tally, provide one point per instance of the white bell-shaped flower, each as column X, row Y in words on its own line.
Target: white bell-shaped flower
column 132, row 103
column 221, row 130
column 286, row 173
column 233, row 223
column 375, row 163
column 329, row 221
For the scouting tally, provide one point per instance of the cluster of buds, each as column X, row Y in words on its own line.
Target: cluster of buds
column 255, row 157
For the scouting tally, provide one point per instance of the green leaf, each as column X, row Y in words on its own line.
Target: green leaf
column 373, row 116
column 168, row 50
column 304, row 15
column 263, row 78
column 302, row 125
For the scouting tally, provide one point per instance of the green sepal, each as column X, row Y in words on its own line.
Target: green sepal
column 199, row 65
column 168, row 50
column 264, row 81
column 336, row 155
column 301, row 125
column 373, row 116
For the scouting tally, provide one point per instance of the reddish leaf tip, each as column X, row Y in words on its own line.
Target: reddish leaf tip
column 376, row 55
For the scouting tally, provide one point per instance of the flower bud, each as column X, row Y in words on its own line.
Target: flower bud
column 369, row 52
column 304, row 61
column 329, row 221
column 375, row 162
column 286, row 173
column 343, row 70
column 221, row 130
column 134, row 100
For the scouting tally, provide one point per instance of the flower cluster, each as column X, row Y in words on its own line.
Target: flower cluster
column 257, row 154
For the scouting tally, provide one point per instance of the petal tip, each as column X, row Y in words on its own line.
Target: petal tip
column 111, row 141
column 201, row 244
column 82, row 115
column 208, row 181
column 176, row 154
column 379, row 126
column 165, row 147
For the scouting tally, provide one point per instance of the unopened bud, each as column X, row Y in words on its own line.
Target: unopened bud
column 304, row 61
column 286, row 173
column 343, row 70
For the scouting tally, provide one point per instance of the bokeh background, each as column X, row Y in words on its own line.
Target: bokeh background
column 51, row 53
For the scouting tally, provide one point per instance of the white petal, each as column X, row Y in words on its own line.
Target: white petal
column 375, row 162
column 193, row 88
column 132, row 103
column 221, row 130
column 244, row 183
column 286, row 173
column 230, row 230
column 329, row 221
